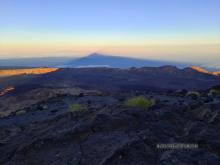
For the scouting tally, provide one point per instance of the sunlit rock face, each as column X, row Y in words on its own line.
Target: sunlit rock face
column 216, row 73
column 14, row 72
column 6, row 90
column 198, row 69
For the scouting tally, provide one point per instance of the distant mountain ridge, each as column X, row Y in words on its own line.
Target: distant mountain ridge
column 149, row 78
column 107, row 78
column 97, row 60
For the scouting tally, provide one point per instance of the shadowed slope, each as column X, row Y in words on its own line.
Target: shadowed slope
column 99, row 60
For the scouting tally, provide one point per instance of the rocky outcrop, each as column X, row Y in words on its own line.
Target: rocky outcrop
column 6, row 90
column 12, row 104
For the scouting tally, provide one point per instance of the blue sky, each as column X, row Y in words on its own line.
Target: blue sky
column 110, row 15
column 125, row 27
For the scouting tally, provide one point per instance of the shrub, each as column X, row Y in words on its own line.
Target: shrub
column 21, row 112
column 75, row 107
column 193, row 94
column 213, row 92
column 140, row 102
column 181, row 92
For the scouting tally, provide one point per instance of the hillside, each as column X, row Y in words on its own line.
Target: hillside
column 108, row 116
column 199, row 69
column 144, row 78
column 29, row 71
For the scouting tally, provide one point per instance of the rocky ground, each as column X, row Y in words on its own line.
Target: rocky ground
column 43, row 129
column 80, row 117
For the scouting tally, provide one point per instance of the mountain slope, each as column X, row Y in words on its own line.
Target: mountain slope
column 60, row 121
column 146, row 78
column 143, row 78
column 14, row 72
column 199, row 69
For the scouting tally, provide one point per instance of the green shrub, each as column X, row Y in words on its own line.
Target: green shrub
column 213, row 92
column 140, row 102
column 193, row 94
column 75, row 107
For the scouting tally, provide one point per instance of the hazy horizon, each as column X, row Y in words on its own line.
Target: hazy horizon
column 186, row 31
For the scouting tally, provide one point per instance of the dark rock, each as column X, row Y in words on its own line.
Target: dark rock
column 106, row 132
column 81, row 95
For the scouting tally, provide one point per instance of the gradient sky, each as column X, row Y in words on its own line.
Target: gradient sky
column 176, row 30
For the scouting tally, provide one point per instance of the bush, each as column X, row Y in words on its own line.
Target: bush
column 21, row 112
column 193, row 94
column 140, row 102
column 181, row 92
column 75, row 107
column 213, row 92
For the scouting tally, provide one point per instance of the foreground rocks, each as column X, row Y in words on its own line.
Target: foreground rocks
column 106, row 132
column 18, row 102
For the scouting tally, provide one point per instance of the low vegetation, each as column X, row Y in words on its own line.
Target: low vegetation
column 21, row 112
column 193, row 94
column 75, row 107
column 140, row 102
column 213, row 92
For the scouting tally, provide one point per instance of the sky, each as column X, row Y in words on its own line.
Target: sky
column 175, row 30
